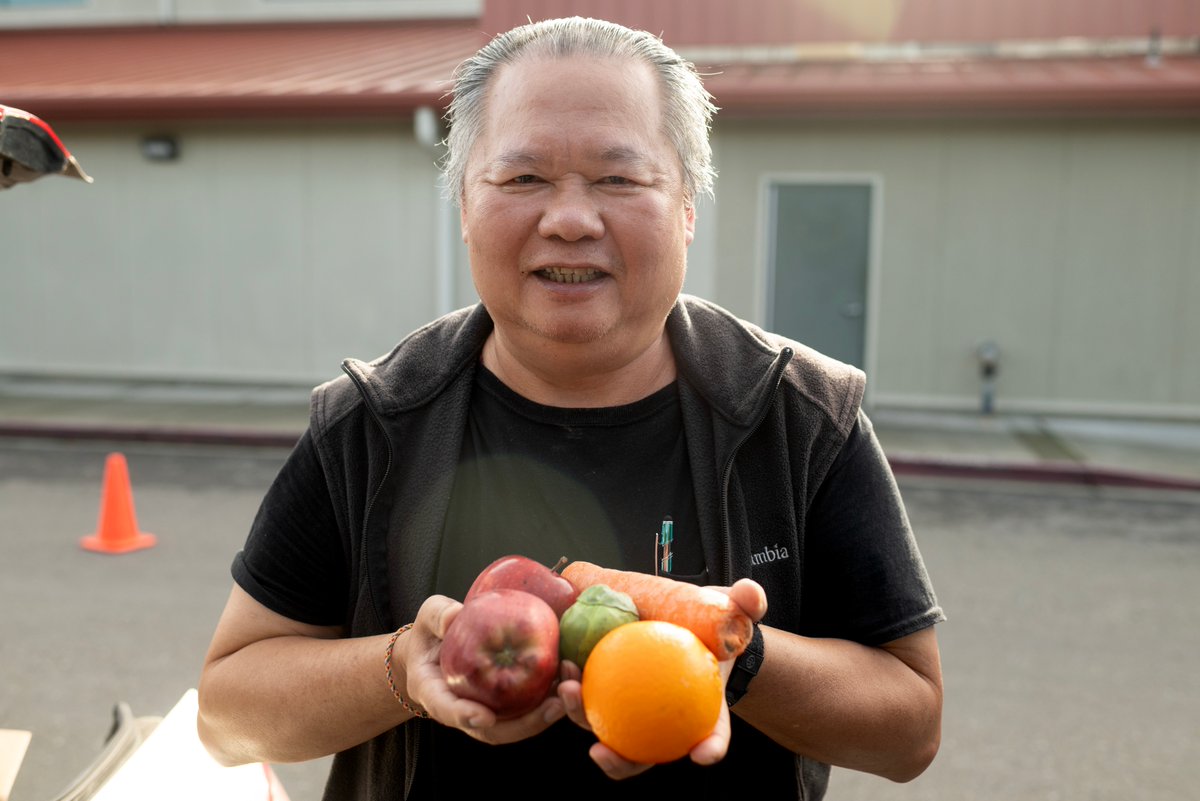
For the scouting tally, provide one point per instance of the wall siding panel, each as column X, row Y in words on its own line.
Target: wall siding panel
column 1073, row 244
column 269, row 252
column 266, row 253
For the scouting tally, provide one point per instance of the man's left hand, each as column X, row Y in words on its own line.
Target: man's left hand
column 747, row 594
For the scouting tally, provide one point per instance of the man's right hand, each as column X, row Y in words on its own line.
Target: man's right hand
column 418, row 650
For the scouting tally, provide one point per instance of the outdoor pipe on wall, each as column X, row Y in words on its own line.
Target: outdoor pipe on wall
column 427, row 129
column 989, row 364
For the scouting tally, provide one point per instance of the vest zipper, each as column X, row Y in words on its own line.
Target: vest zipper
column 785, row 356
column 387, row 469
column 410, row 765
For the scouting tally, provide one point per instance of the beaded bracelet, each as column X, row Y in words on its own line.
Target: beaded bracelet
column 387, row 664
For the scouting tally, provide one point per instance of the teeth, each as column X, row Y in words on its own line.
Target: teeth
column 569, row 276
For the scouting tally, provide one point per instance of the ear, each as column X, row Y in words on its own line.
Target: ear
column 689, row 222
column 462, row 218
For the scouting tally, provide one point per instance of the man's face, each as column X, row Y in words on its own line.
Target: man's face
column 573, row 208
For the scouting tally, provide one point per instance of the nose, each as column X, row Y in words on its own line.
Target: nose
column 571, row 214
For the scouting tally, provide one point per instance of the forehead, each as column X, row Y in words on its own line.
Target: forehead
column 532, row 69
column 560, row 98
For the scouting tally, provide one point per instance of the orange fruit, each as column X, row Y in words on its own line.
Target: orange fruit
column 651, row 691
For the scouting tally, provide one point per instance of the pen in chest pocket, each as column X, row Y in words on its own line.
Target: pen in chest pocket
column 663, row 552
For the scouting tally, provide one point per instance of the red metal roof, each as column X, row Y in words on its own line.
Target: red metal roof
column 191, row 71
column 380, row 68
column 766, row 22
column 1044, row 86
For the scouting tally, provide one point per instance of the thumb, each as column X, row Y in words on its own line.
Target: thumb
column 750, row 596
column 437, row 613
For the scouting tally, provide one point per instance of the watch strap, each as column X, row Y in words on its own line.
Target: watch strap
column 745, row 668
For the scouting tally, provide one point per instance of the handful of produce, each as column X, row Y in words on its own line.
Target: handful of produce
column 649, row 648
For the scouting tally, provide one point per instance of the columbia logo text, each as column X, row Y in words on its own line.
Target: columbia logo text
column 772, row 554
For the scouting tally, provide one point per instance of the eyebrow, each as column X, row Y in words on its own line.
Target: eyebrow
column 625, row 155
column 618, row 154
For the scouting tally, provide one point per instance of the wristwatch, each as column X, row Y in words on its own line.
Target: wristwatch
column 745, row 668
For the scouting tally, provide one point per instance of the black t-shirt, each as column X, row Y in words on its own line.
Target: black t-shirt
column 588, row 484
column 545, row 482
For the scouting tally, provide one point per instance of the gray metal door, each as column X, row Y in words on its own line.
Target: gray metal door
column 819, row 252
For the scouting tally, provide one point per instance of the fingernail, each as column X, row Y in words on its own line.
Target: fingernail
column 474, row 723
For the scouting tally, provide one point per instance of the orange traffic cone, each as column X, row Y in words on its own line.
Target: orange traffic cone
column 117, row 531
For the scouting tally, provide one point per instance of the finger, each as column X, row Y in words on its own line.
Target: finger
column 461, row 713
column 569, row 671
column 750, row 596
column 437, row 612
column 712, row 749
column 511, row 730
column 571, row 694
column 613, row 764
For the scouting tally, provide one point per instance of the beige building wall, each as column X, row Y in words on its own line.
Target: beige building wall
column 268, row 252
column 265, row 253
column 1074, row 245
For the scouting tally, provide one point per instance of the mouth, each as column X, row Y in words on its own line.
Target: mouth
column 570, row 275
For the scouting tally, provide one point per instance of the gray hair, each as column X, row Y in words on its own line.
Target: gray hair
column 688, row 107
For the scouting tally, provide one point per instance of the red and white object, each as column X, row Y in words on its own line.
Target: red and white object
column 29, row 149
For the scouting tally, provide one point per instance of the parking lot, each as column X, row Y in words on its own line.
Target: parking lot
column 1070, row 653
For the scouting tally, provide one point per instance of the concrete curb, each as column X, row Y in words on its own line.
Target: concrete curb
column 1074, row 473
column 173, row 435
column 1043, row 472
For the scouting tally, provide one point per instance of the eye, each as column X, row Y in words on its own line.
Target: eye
column 525, row 179
column 616, row 180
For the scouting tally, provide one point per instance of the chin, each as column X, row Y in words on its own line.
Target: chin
column 571, row 326
column 571, row 333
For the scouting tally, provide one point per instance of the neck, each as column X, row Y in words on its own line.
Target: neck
column 573, row 376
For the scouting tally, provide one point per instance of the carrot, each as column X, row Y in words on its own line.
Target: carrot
column 708, row 613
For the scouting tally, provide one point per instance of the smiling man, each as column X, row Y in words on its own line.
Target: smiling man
column 579, row 406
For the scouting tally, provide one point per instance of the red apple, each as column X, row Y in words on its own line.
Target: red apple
column 502, row 651
column 522, row 573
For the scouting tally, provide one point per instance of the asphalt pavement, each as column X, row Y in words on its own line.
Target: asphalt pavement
column 1065, row 552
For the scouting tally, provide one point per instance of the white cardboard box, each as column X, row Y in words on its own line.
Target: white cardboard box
column 174, row 764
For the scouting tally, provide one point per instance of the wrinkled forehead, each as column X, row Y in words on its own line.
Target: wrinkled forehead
column 599, row 109
column 637, row 75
